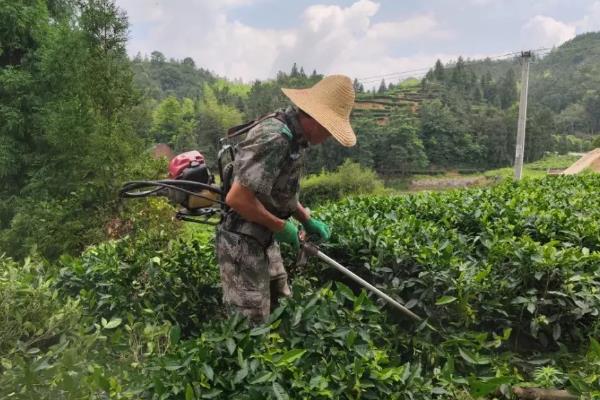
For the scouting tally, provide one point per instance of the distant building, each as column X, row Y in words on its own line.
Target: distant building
column 162, row 150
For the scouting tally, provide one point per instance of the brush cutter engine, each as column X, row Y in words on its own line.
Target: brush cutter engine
column 191, row 186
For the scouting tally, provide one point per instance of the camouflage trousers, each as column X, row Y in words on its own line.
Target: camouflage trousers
column 253, row 277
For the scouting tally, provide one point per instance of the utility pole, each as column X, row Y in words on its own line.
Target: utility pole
column 520, row 148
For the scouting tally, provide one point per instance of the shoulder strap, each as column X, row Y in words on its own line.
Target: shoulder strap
column 241, row 129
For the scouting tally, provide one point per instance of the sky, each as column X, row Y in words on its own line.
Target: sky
column 253, row 39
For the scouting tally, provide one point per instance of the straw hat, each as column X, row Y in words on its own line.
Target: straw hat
column 329, row 102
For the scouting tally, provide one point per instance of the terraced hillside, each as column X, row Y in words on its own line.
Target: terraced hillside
column 407, row 96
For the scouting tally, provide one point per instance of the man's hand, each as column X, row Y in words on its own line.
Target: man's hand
column 319, row 228
column 289, row 234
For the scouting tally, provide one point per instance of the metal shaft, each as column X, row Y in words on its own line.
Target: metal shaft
column 362, row 282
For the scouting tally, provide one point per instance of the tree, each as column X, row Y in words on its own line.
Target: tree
column 439, row 73
column 459, row 75
column 540, row 128
column 507, row 89
column 212, row 122
column 382, row 87
column 447, row 141
column 591, row 103
column 189, row 62
column 398, row 149
column 156, row 57
column 294, row 73
column 75, row 135
column 488, row 88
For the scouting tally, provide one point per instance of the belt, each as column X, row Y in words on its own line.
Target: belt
column 233, row 222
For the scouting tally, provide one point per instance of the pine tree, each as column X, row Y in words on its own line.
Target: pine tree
column 439, row 72
column 382, row 87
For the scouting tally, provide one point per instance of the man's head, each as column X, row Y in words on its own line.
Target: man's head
column 314, row 132
column 326, row 109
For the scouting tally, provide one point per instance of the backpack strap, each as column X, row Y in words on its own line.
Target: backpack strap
column 241, row 129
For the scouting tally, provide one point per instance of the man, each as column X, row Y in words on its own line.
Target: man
column 264, row 194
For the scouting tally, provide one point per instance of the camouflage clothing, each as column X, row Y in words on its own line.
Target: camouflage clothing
column 268, row 162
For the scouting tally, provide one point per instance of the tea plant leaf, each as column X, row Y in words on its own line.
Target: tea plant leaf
column 264, row 377
column 445, row 300
column 208, row 371
column 290, row 356
column 230, row 343
column 175, row 334
column 280, row 393
column 481, row 388
column 189, row 392
column 112, row 324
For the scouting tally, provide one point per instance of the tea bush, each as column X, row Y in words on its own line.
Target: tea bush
column 152, row 277
column 508, row 276
column 32, row 314
column 519, row 255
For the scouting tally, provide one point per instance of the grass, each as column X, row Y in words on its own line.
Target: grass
column 537, row 169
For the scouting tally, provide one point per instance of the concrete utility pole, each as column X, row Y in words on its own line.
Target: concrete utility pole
column 520, row 148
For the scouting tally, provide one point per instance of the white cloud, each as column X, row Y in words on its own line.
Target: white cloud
column 543, row 31
column 201, row 29
column 329, row 38
column 591, row 21
column 334, row 39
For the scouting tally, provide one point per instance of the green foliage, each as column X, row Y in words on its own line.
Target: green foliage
column 321, row 344
column 348, row 179
column 32, row 314
column 522, row 256
column 150, row 278
column 69, row 142
column 509, row 268
column 214, row 120
column 447, row 142
column 174, row 123
column 159, row 78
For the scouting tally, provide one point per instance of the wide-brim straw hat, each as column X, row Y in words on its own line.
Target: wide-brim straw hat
column 329, row 102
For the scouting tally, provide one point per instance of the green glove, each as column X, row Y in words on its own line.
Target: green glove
column 319, row 228
column 289, row 234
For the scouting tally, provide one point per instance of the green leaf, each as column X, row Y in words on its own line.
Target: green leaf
column 481, row 388
column 473, row 358
column 290, row 356
column 112, row 324
column 208, row 371
column 264, row 377
column 345, row 291
column 445, row 300
column 280, row 393
column 260, row 330
column 230, row 343
column 212, row 394
column 175, row 334
column 241, row 374
column 594, row 351
column 189, row 392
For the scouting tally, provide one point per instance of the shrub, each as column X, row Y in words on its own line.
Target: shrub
column 349, row 178
column 32, row 313
column 151, row 277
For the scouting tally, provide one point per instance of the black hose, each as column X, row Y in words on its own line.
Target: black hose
column 167, row 183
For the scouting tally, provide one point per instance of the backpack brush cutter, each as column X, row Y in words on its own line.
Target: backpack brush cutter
column 192, row 187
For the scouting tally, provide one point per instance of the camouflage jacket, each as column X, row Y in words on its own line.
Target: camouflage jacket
column 269, row 162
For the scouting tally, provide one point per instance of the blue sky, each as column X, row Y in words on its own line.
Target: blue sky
column 253, row 39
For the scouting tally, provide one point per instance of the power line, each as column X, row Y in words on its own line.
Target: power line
column 398, row 75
